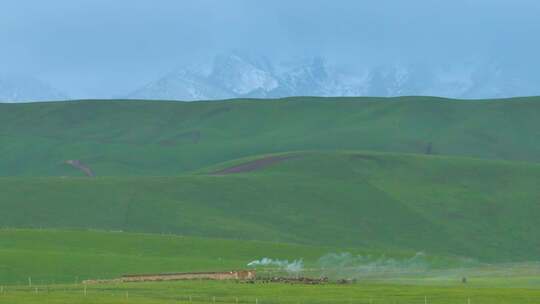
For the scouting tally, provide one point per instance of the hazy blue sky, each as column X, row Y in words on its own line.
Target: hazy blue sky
column 109, row 47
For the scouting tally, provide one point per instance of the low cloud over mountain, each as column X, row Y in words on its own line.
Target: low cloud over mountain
column 17, row 88
column 235, row 75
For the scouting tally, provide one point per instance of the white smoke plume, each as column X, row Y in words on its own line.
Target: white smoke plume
column 351, row 266
column 295, row 266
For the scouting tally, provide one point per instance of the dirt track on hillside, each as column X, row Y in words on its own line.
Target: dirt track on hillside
column 255, row 165
column 77, row 164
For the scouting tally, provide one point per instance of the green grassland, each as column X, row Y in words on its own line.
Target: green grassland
column 58, row 261
column 454, row 182
column 118, row 138
column 442, row 205
column 224, row 292
column 55, row 256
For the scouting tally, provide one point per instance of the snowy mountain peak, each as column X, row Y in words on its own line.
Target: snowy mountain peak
column 241, row 75
column 184, row 84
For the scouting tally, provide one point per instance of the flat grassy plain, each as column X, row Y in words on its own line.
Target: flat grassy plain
column 55, row 256
column 231, row 292
column 56, row 262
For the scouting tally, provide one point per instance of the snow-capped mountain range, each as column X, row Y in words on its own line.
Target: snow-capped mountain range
column 234, row 75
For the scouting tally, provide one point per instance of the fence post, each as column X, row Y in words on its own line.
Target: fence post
column 29, row 281
column 468, row 300
column 425, row 300
column 85, row 290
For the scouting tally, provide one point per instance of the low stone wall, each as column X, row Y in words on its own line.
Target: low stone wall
column 95, row 282
column 229, row 275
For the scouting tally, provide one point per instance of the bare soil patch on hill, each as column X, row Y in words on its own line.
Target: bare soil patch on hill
column 255, row 165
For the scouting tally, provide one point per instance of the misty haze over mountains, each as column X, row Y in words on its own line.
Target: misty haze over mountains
column 19, row 88
column 234, row 75
column 460, row 48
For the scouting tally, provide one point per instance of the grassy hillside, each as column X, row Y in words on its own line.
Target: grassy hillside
column 118, row 138
column 442, row 205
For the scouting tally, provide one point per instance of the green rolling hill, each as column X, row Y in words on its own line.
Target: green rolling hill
column 441, row 205
column 119, row 138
